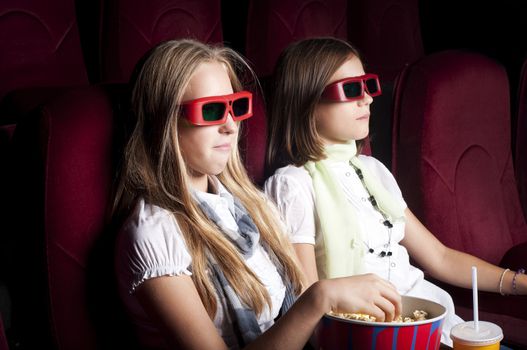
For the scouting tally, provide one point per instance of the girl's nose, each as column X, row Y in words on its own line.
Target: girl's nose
column 230, row 126
column 366, row 100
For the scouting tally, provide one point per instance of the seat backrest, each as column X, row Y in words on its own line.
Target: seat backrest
column 388, row 35
column 64, row 163
column 452, row 152
column 40, row 45
column 274, row 24
column 131, row 27
column 271, row 26
column 521, row 139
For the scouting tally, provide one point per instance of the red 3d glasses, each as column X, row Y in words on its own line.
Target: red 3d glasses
column 352, row 89
column 213, row 110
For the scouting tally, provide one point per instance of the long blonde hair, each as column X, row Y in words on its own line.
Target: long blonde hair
column 302, row 72
column 153, row 169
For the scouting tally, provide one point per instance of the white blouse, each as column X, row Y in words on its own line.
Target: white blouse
column 292, row 190
column 150, row 245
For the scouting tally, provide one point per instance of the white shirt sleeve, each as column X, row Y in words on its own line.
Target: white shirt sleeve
column 150, row 245
column 291, row 189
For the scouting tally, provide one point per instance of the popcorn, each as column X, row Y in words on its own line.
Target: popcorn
column 354, row 316
column 418, row 315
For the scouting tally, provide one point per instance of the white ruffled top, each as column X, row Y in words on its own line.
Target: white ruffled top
column 150, row 244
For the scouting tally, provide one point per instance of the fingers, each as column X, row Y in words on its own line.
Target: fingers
column 387, row 309
column 394, row 298
column 389, row 294
column 376, row 312
column 371, row 295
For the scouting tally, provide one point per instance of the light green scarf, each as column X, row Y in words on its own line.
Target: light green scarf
column 341, row 251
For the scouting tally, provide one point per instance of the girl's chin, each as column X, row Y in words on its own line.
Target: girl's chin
column 364, row 134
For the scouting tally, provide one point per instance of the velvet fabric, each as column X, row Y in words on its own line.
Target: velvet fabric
column 64, row 171
column 273, row 24
column 388, row 35
column 40, row 45
column 131, row 27
column 453, row 162
column 41, row 50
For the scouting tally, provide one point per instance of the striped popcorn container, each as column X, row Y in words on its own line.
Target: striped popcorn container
column 335, row 332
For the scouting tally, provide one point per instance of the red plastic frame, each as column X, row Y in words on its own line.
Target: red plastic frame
column 192, row 110
column 335, row 90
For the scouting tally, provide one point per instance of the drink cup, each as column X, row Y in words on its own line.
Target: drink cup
column 465, row 337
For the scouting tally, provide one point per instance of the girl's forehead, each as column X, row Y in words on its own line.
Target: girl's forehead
column 209, row 79
column 352, row 67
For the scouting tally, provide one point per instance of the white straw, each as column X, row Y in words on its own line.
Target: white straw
column 475, row 297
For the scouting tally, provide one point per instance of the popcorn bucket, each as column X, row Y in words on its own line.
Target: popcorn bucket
column 335, row 332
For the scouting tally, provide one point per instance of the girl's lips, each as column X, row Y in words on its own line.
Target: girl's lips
column 223, row 147
column 363, row 117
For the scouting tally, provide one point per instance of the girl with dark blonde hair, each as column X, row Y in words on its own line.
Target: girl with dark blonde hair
column 202, row 260
column 345, row 212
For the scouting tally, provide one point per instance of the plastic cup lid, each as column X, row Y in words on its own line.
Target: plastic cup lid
column 465, row 333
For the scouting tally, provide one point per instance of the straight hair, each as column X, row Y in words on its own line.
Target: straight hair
column 302, row 72
column 154, row 169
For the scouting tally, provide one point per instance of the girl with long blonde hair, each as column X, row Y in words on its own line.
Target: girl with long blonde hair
column 202, row 260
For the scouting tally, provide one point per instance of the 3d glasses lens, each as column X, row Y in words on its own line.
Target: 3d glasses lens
column 372, row 86
column 213, row 111
column 240, row 107
column 352, row 89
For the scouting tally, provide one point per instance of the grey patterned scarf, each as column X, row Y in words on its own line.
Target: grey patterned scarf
column 244, row 321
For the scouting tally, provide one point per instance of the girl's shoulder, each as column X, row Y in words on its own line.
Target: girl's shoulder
column 376, row 167
column 150, row 244
column 289, row 177
column 373, row 163
column 146, row 218
column 291, row 170
column 151, row 230
column 383, row 174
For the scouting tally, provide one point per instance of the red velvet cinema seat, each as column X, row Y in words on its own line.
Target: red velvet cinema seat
column 131, row 27
column 64, row 164
column 452, row 159
column 388, row 35
column 521, row 140
column 271, row 26
column 274, row 24
column 40, row 48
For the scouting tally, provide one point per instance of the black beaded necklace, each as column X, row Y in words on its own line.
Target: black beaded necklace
column 386, row 222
